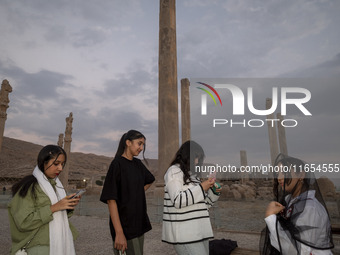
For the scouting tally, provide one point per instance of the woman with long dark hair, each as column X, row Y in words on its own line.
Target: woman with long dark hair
column 124, row 191
column 298, row 221
column 186, row 222
column 39, row 210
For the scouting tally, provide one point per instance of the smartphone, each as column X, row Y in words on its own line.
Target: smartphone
column 80, row 192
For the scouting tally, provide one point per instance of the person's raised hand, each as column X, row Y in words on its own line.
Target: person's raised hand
column 274, row 208
column 207, row 184
column 65, row 203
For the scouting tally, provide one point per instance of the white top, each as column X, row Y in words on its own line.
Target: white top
column 185, row 215
column 313, row 215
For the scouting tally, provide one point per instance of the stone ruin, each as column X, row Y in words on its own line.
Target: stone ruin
column 327, row 188
column 4, row 101
column 263, row 189
column 248, row 191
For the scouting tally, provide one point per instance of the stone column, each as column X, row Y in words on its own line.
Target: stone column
column 244, row 162
column 168, row 127
column 282, row 136
column 274, row 149
column 4, row 101
column 185, row 109
column 61, row 140
column 67, row 148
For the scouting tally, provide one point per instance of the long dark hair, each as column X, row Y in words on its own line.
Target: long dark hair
column 45, row 155
column 293, row 164
column 185, row 157
column 130, row 135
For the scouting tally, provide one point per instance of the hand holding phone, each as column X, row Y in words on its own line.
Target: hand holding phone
column 212, row 174
column 80, row 192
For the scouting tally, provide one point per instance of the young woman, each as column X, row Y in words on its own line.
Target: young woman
column 186, row 222
column 298, row 222
column 124, row 192
column 39, row 210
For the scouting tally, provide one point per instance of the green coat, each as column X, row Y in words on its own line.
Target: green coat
column 29, row 215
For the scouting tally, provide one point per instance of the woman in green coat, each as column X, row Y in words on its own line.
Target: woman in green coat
column 39, row 210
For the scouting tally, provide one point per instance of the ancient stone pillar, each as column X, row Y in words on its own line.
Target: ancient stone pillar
column 168, row 129
column 244, row 162
column 67, row 148
column 185, row 109
column 282, row 136
column 61, row 140
column 4, row 101
column 274, row 149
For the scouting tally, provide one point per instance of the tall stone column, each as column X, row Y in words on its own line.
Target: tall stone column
column 282, row 136
column 244, row 162
column 185, row 109
column 273, row 145
column 168, row 127
column 61, row 140
column 67, row 148
column 4, row 101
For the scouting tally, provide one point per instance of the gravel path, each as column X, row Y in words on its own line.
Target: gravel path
column 94, row 237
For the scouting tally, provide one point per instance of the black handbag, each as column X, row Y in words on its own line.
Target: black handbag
column 221, row 246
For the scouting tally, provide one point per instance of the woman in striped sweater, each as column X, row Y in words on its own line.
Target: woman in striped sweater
column 186, row 222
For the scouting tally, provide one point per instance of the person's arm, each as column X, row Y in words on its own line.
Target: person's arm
column 67, row 203
column 148, row 178
column 181, row 197
column 271, row 221
column 147, row 186
column 212, row 197
column 27, row 215
column 120, row 240
column 284, row 239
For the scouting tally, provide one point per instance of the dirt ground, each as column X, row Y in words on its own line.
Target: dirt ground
column 94, row 237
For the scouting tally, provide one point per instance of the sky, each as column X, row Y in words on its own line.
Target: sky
column 99, row 60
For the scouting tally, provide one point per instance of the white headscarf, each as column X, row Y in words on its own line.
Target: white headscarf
column 61, row 238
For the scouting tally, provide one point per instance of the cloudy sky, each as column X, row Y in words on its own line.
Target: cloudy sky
column 99, row 60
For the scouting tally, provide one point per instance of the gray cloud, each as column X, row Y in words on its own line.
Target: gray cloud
column 89, row 37
column 249, row 38
column 137, row 82
column 41, row 85
column 328, row 68
column 107, row 75
column 56, row 34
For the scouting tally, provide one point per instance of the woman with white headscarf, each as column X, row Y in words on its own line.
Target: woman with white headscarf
column 39, row 210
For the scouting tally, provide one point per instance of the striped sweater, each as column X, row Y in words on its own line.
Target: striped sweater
column 185, row 215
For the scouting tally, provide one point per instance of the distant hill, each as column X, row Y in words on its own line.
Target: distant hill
column 18, row 159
